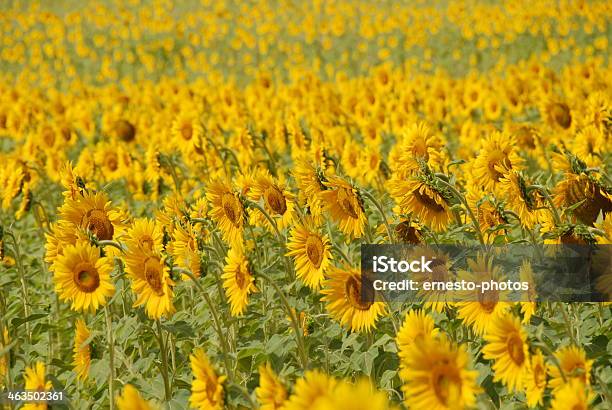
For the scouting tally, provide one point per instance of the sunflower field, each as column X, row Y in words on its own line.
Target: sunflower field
column 185, row 187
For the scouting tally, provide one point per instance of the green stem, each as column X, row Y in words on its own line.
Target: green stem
column 568, row 323
column 382, row 213
column 164, row 359
column 114, row 244
column 22, row 281
column 544, row 191
column 269, row 218
column 341, row 253
column 216, row 320
column 467, row 208
column 111, row 356
column 294, row 321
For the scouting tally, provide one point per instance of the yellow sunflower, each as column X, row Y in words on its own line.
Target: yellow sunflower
column 226, row 210
column 419, row 144
column 359, row 396
column 187, row 131
column 574, row 364
column 185, row 249
column 238, row 280
column 130, row 399
column 418, row 198
column 311, row 389
column 345, row 206
column 206, row 387
column 35, row 380
column 345, row 302
column 144, row 235
column 4, row 365
column 528, row 303
column 480, row 309
column 311, row 253
column 556, row 113
column 506, row 344
column 417, row 325
column 535, row 380
column 81, row 351
column 573, row 396
column 151, row 282
column 271, row 393
column 579, row 188
column 310, row 183
column 92, row 211
column 278, row 202
column 437, row 375
column 497, row 157
column 82, row 277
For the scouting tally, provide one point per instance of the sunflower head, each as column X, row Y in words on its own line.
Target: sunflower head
column 206, row 387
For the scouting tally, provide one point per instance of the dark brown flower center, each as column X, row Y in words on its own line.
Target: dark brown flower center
column 514, row 344
column 354, row 296
column 446, row 382
column 275, row 200
column 561, row 115
column 187, row 131
column 86, row 277
column 428, row 202
column 347, row 202
column 125, row 130
column 314, row 250
column 98, row 223
column 153, row 271
column 488, row 300
column 232, row 208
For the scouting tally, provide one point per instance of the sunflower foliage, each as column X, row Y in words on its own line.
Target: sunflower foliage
column 185, row 188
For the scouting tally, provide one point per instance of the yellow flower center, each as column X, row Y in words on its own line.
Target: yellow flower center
column 347, row 202
column 314, row 250
column 514, row 344
column 98, row 223
column 86, row 277
column 353, row 294
column 232, row 208
column 153, row 272
column 275, row 200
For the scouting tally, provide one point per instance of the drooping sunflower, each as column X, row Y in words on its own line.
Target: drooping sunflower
column 573, row 396
column 574, row 364
column 310, row 183
column 359, row 396
column 480, row 309
column 144, row 235
column 417, row 325
column 62, row 234
column 497, row 157
column 556, row 113
column 35, row 380
column 185, row 249
column 345, row 302
column 419, row 143
column 227, row 210
column 437, row 375
column 417, row 197
column 130, row 399
column 311, row 253
column 206, row 387
column 82, row 277
column 525, row 203
column 507, row 346
column 278, row 202
column 535, row 380
column 311, row 389
column 345, row 206
column 81, row 351
column 92, row 211
column 151, row 282
column 528, row 298
column 574, row 189
column 238, row 280
column 271, row 393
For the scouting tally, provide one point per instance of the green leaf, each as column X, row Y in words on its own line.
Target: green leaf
column 18, row 321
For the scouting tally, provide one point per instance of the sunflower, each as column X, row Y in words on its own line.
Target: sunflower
column 151, row 282
column 419, row 144
column 574, row 364
column 144, row 236
column 417, row 197
column 345, row 302
column 311, row 389
column 535, row 380
column 61, row 234
column 206, row 387
column 82, row 351
column 573, row 396
column 574, row 189
column 226, row 210
column 185, row 249
column 311, row 253
column 524, row 203
column 345, row 206
column 238, row 280
column 278, row 202
column 506, row 344
column 480, row 309
column 92, row 211
column 187, row 131
column 359, row 396
column 82, row 277
column 310, row 183
column 418, row 325
column 496, row 158
column 271, row 393
column 528, row 304
column 113, row 161
column 556, row 113
column 130, row 399
column 35, row 380
column 437, row 376
column 409, row 232
column 4, row 364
